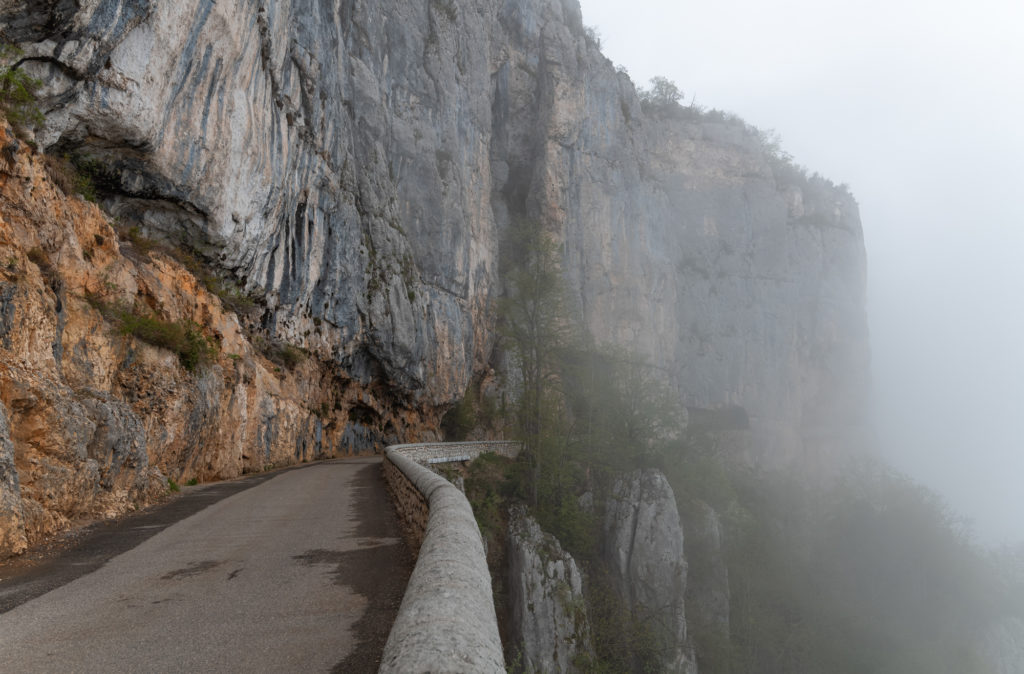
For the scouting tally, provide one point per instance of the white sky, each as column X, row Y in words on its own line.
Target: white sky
column 919, row 106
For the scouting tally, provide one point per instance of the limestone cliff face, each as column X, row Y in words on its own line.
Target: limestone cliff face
column 356, row 163
column 689, row 240
column 643, row 547
column 93, row 421
column 551, row 631
column 12, row 525
column 708, row 594
column 335, row 156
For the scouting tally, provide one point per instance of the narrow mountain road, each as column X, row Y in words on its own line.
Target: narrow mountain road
column 303, row 572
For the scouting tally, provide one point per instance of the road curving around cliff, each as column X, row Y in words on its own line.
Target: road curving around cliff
column 446, row 622
column 302, row 572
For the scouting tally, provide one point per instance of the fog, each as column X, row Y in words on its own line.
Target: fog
column 916, row 106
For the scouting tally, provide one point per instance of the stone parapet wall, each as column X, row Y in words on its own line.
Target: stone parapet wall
column 447, row 452
column 446, row 622
column 411, row 504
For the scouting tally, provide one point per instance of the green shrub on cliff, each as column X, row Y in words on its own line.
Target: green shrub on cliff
column 185, row 338
column 65, row 173
column 280, row 353
column 662, row 97
column 538, row 327
column 18, row 92
column 460, row 418
column 231, row 293
column 182, row 337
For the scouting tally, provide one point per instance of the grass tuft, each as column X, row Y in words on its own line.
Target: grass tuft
column 280, row 353
column 184, row 338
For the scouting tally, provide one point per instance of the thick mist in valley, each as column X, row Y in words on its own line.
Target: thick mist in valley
column 915, row 105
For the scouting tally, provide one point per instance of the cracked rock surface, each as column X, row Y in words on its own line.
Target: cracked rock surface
column 358, row 162
column 549, row 617
column 644, row 550
column 355, row 165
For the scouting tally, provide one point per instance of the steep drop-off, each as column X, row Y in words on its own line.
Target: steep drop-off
column 644, row 550
column 356, row 163
column 548, row 610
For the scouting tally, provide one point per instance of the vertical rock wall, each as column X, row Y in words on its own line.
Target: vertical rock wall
column 644, row 549
column 708, row 598
column 96, row 419
column 688, row 239
column 12, row 520
column 333, row 155
column 549, row 619
column 357, row 162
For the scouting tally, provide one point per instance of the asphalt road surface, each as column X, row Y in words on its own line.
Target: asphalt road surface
column 302, row 572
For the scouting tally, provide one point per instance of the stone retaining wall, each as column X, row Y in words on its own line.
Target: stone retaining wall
column 446, row 622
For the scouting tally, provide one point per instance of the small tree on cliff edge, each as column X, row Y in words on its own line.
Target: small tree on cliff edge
column 535, row 319
column 663, row 96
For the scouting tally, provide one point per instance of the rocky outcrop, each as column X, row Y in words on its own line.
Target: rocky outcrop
column 96, row 420
column 356, row 163
column 549, row 626
column 689, row 240
column 335, row 157
column 643, row 548
column 12, row 518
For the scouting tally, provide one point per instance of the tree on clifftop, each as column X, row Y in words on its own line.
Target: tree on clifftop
column 663, row 96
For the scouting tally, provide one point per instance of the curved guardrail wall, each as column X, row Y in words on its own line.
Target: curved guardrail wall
column 446, row 622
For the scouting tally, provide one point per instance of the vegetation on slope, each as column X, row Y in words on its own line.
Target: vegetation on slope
column 663, row 99
column 18, row 92
column 184, row 338
column 868, row 574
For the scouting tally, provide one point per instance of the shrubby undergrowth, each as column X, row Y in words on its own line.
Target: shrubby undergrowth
column 18, row 92
column 184, row 338
column 664, row 100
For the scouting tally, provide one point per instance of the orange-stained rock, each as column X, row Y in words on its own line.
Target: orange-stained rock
column 93, row 422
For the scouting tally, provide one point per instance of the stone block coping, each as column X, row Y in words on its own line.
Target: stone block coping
column 446, row 622
column 446, row 452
